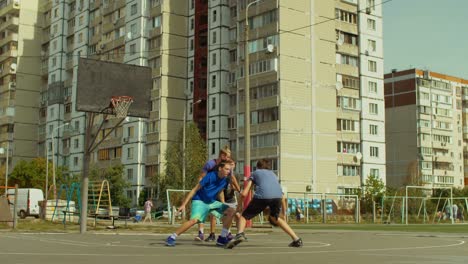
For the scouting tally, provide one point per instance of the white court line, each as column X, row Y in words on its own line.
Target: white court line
column 160, row 244
column 235, row 252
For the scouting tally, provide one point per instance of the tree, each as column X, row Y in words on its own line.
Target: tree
column 373, row 191
column 32, row 174
column 117, row 183
column 195, row 156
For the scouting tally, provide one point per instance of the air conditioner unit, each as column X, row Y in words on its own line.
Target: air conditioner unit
column 366, row 52
column 368, row 10
column 102, row 46
column 125, row 139
column 12, row 85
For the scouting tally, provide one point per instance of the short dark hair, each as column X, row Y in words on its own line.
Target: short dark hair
column 263, row 164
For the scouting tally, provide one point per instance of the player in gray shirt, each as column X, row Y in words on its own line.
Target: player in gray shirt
column 267, row 194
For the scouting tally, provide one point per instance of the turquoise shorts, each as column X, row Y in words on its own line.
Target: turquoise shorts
column 200, row 210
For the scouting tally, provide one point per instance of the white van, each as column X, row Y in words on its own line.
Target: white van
column 28, row 201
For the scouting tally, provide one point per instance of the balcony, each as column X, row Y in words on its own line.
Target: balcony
column 12, row 24
column 11, row 7
column 8, row 39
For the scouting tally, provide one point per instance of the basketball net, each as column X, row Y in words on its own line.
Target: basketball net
column 121, row 104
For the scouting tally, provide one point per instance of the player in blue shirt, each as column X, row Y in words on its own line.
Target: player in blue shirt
column 204, row 198
column 224, row 155
column 268, row 193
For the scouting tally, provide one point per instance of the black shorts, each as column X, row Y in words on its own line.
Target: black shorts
column 256, row 206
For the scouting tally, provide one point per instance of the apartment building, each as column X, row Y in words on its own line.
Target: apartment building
column 121, row 31
column 426, row 128
column 316, row 92
column 20, row 80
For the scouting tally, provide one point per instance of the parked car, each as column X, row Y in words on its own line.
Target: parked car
column 27, row 202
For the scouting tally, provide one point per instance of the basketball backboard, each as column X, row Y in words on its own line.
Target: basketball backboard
column 98, row 81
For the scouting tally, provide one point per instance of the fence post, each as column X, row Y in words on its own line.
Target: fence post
column 15, row 208
column 324, row 208
column 373, row 211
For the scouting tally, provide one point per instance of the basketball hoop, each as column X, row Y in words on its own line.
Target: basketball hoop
column 121, row 104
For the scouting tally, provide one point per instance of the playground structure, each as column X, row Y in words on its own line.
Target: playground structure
column 66, row 205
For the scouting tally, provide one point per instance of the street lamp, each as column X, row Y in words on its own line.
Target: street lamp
column 247, row 103
column 183, row 142
column 53, row 157
column 7, row 153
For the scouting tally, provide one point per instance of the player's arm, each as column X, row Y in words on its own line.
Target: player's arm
column 221, row 196
column 235, row 183
column 189, row 196
column 246, row 190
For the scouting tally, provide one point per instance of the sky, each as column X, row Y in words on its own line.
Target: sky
column 426, row 34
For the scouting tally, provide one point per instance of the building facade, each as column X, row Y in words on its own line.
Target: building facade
column 20, row 80
column 426, row 128
column 316, row 92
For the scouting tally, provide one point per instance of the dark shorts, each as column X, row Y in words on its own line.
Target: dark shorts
column 256, row 206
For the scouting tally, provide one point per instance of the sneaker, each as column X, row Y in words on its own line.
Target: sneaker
column 211, row 237
column 230, row 236
column 296, row 243
column 200, row 236
column 222, row 241
column 236, row 241
column 170, row 242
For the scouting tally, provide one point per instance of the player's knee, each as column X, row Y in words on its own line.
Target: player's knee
column 273, row 220
column 229, row 212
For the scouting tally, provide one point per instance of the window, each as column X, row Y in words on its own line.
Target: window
column 213, row 81
column 130, row 153
column 346, row 125
column 348, row 170
column 213, row 59
column 130, row 174
column 348, row 147
column 213, row 148
column 374, row 172
column 373, row 129
column 372, row 87
column 213, row 125
column 371, row 45
column 133, row 30
column 130, row 131
column 370, row 24
column 76, row 143
column 133, row 9
column 213, row 103
column 75, row 161
column 350, row 82
column 371, row 4
column 372, row 66
column 373, row 108
column 156, row 21
column 132, row 49
column 346, row 16
column 191, row 66
column 213, row 37
column 374, row 152
column 214, row 16
column 191, row 44
column 192, row 24
column 349, row 60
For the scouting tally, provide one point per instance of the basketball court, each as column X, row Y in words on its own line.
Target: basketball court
column 319, row 247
